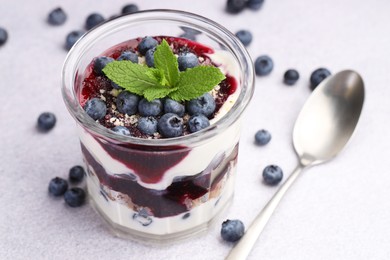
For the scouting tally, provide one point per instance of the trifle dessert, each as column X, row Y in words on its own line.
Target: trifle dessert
column 159, row 123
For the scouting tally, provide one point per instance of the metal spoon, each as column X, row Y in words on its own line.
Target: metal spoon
column 323, row 127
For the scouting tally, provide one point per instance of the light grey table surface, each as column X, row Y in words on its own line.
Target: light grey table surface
column 338, row 210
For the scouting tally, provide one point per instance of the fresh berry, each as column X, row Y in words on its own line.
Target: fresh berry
column 262, row 137
column 254, row 4
column 150, row 108
column 232, row 230
column 72, row 38
column 127, row 103
column 244, row 36
column 46, row 121
column 3, row 36
column 129, row 55
column 197, row 122
column 235, row 6
column 149, row 57
column 290, row 77
column 146, row 44
column 75, row 197
column 187, row 60
column 122, row 130
column 188, row 36
column 57, row 17
column 170, row 125
column 129, row 9
column 99, row 63
column 263, row 65
column 76, row 174
column 318, row 76
column 272, row 174
column 58, row 186
column 204, row 104
column 172, row 106
column 95, row 108
column 147, row 125
column 93, row 20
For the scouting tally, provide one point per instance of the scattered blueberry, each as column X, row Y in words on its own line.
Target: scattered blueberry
column 129, row 55
column 76, row 174
column 95, row 108
column 150, row 108
column 127, row 103
column 172, row 106
column 122, row 130
column 244, row 36
column 75, row 197
column 263, row 65
column 204, row 104
column 235, row 6
column 57, row 16
column 149, row 57
column 290, row 77
column 129, row 9
column 187, row 60
column 3, row 36
column 72, row 38
column 99, row 63
column 146, row 44
column 147, row 125
column 46, row 121
column 262, row 137
column 197, row 122
column 93, row 20
column 318, row 76
column 188, row 36
column 170, row 125
column 58, row 186
column 254, row 4
column 272, row 174
column 232, row 230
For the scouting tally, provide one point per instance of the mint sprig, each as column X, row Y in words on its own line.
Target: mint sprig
column 165, row 80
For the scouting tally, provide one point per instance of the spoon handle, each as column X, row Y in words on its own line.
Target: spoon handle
column 244, row 246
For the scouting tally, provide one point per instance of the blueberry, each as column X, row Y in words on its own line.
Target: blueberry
column 58, row 186
column 57, row 17
column 93, row 20
column 76, row 174
column 129, row 9
column 204, row 104
column 232, row 230
column 263, row 65
column 188, row 36
column 170, row 125
column 95, row 108
column 244, row 36
column 235, row 6
column 72, row 38
column 318, row 76
column 149, row 57
column 290, row 77
column 254, row 4
column 128, row 55
column 172, row 106
column 262, row 137
column 46, row 121
column 99, row 63
column 147, row 125
column 115, row 86
column 272, row 174
column 150, row 108
column 146, row 44
column 197, row 122
column 3, row 36
column 127, row 103
column 75, row 197
column 121, row 130
column 187, row 60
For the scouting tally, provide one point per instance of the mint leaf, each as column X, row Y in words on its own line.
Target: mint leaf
column 166, row 61
column 195, row 82
column 157, row 92
column 131, row 76
column 158, row 75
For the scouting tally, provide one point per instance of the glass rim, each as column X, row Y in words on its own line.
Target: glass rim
column 187, row 19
